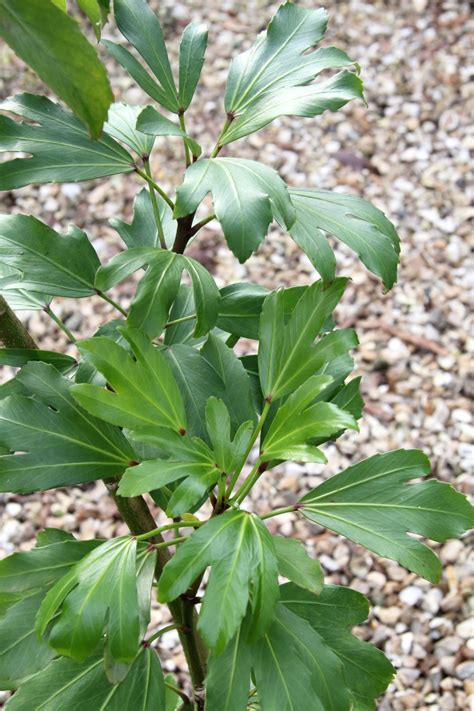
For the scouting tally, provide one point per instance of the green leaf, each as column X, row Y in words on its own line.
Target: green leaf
column 66, row 683
column 247, row 196
column 156, row 473
column 145, row 393
column 182, row 332
column 59, row 444
column 237, row 394
column 51, row 43
column 238, row 548
column 367, row 671
column 100, row 590
column 273, row 78
column 206, row 296
column 357, row 223
column 155, row 293
column 151, row 122
column 17, row 357
column 191, row 58
column 371, row 504
column 61, row 265
column 121, row 125
column 96, row 11
column 139, row 24
column 47, row 536
column 21, row 652
column 142, row 231
column 229, row 453
column 61, row 148
column 298, row 420
column 287, row 356
column 228, row 677
column 296, row 565
column 241, row 305
column 288, row 662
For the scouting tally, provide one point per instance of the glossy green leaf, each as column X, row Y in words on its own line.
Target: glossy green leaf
column 58, row 443
column 273, row 78
column 228, row 677
column 247, row 197
column 59, row 144
column 191, row 58
column 235, row 545
column 229, row 452
column 121, row 125
column 287, row 356
column 296, row 565
column 299, row 420
column 139, row 24
column 21, row 652
column 100, row 590
column 294, row 669
column 145, row 393
column 367, row 672
column 206, row 296
column 372, row 504
column 17, row 357
column 151, row 122
column 142, row 231
column 67, row 683
column 357, row 223
column 182, row 331
column 60, row 265
column 51, row 43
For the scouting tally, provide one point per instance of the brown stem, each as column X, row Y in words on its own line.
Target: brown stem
column 12, row 332
column 183, row 233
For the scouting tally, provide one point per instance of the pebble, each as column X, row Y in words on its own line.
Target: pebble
column 465, row 670
column 411, row 595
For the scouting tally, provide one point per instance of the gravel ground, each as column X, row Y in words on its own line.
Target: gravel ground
column 408, row 152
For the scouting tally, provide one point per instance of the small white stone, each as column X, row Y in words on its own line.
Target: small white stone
column 466, row 629
column 411, row 595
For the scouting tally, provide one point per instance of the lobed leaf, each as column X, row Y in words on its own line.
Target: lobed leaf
column 142, row 231
column 44, row 260
column 238, row 548
column 151, row 122
column 371, row 503
column 121, row 125
column 367, row 672
column 273, row 78
column 357, row 223
column 60, row 147
column 58, row 443
column 145, row 393
column 247, row 196
column 296, row 565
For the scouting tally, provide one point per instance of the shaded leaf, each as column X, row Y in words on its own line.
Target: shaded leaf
column 371, row 503
column 228, row 677
column 67, row 683
column 61, row 148
column 142, row 231
column 273, row 78
column 21, row 652
column 17, row 357
column 229, row 452
column 357, row 223
column 247, row 197
column 59, row 443
column 367, row 671
column 52, row 44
